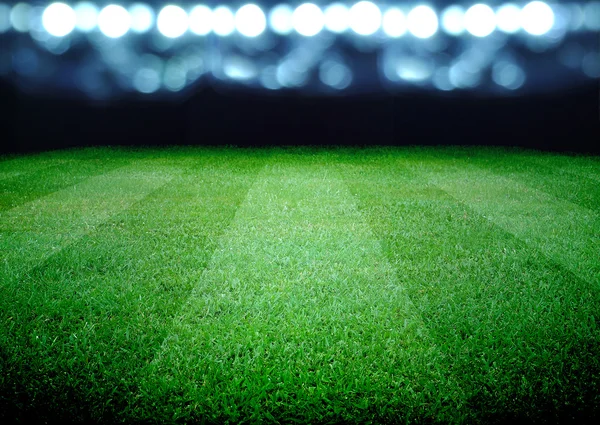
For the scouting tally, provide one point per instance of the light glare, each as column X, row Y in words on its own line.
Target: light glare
column 200, row 20
column 537, row 18
column 365, row 18
column 59, row 19
column 223, row 21
column 308, row 19
column 250, row 20
column 86, row 16
column 480, row 20
column 172, row 21
column 142, row 17
column 114, row 21
column 422, row 22
column 337, row 18
column 394, row 22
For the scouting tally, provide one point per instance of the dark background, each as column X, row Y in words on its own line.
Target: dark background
column 566, row 120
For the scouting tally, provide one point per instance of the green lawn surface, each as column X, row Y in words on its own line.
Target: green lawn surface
column 295, row 285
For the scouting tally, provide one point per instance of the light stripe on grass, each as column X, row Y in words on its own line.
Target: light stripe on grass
column 32, row 232
column 298, row 316
column 518, row 332
column 88, row 319
column 566, row 232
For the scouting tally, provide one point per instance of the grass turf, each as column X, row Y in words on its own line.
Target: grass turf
column 439, row 285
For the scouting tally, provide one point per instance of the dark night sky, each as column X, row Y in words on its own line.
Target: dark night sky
column 567, row 120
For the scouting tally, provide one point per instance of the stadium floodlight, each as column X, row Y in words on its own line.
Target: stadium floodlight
column 142, row 17
column 86, row 16
column 422, row 21
column 280, row 19
column 172, row 21
column 365, row 18
column 337, row 17
column 480, row 20
column 453, row 18
column 508, row 18
column 394, row 22
column 308, row 19
column 114, row 21
column 223, row 21
column 537, row 18
column 250, row 20
column 200, row 20
column 59, row 19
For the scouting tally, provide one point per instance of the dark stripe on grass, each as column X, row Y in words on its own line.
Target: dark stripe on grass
column 92, row 315
column 518, row 331
column 298, row 317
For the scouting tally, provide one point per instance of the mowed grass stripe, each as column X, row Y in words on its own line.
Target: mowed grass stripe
column 14, row 165
column 564, row 231
column 26, row 187
column 88, row 319
column 583, row 165
column 523, row 167
column 519, row 333
column 298, row 316
column 32, row 232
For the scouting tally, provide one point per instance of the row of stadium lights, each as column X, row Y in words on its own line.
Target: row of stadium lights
column 363, row 18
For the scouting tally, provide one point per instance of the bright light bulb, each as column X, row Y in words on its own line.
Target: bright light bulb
column 59, row 19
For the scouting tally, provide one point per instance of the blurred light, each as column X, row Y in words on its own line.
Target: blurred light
column 142, row 17
column 422, row 22
column 571, row 55
column 460, row 77
column 280, row 19
column 591, row 65
column 146, row 80
column 335, row 75
column 394, row 22
column 414, row 69
column 441, row 80
column 308, row 19
column 537, row 18
column 453, row 20
column 172, row 21
column 59, row 19
column 114, row 21
column 337, row 18
column 175, row 75
column 4, row 18
column 508, row 18
column 576, row 17
column 201, row 20
column 223, row 21
column 480, row 20
column 591, row 13
column 239, row 68
column 365, row 18
column 508, row 75
column 25, row 61
column 86, row 16
column 20, row 16
column 250, row 20
column 268, row 78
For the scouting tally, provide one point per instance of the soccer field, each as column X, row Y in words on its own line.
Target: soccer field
column 396, row 285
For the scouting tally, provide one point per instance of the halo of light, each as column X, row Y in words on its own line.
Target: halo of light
column 20, row 16
column 508, row 18
column 365, row 18
column 337, row 17
column 59, row 19
column 453, row 20
column 394, row 22
column 422, row 22
column 142, row 17
column 537, row 18
column 86, row 16
column 4, row 18
column 508, row 75
column 480, row 20
column 146, row 80
column 172, row 21
column 591, row 65
column 201, row 20
column 334, row 74
column 250, row 20
column 114, row 21
column 280, row 19
column 223, row 21
column 308, row 19
column 591, row 16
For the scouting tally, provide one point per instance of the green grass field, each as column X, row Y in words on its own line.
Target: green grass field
column 408, row 285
